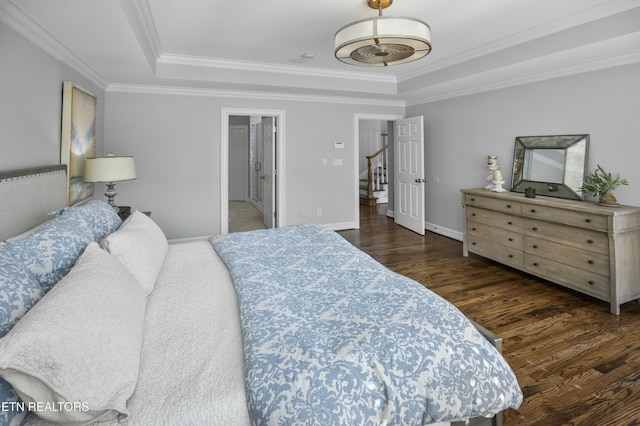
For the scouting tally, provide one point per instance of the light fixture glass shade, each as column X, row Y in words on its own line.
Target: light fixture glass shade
column 382, row 41
column 109, row 169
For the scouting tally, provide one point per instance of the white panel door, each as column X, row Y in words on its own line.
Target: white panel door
column 269, row 195
column 409, row 173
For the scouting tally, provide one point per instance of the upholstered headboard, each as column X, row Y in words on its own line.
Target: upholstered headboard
column 27, row 196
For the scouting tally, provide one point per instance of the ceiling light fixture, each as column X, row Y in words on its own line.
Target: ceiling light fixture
column 382, row 41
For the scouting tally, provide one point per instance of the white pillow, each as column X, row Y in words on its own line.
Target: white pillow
column 75, row 356
column 141, row 246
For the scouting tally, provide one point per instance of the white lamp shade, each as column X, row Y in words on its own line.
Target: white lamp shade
column 109, row 169
column 383, row 41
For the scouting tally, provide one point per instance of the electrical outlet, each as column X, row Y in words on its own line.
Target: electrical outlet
column 319, row 212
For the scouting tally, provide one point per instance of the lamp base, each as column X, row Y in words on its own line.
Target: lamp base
column 111, row 193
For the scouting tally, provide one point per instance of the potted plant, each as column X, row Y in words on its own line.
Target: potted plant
column 601, row 184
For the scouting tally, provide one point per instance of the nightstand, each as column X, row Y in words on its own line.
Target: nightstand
column 124, row 212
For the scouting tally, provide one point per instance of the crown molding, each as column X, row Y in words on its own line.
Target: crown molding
column 19, row 21
column 237, row 94
column 561, row 64
column 138, row 13
column 167, row 65
column 603, row 10
column 260, row 67
column 301, row 78
column 619, row 52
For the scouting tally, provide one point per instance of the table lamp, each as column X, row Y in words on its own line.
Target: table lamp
column 109, row 170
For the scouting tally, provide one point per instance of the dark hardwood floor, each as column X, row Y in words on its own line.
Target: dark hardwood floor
column 576, row 363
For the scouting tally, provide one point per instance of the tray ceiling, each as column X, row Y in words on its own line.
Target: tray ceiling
column 249, row 46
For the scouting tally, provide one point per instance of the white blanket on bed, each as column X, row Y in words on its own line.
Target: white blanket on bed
column 191, row 369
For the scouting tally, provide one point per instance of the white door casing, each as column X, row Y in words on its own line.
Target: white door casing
column 279, row 146
column 409, row 174
column 269, row 171
column 356, row 166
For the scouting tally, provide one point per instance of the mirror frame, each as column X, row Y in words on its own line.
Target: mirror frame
column 526, row 144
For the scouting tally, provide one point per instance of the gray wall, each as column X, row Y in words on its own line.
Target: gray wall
column 176, row 142
column 461, row 132
column 31, row 103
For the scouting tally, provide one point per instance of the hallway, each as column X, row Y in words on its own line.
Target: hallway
column 243, row 216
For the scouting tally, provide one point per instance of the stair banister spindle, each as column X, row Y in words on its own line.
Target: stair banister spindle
column 385, row 169
column 369, row 178
column 377, row 174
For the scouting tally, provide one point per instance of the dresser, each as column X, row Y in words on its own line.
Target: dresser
column 580, row 245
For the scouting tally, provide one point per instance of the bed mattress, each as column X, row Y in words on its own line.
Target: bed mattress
column 192, row 336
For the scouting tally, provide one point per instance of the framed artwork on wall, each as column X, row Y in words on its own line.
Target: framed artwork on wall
column 78, row 139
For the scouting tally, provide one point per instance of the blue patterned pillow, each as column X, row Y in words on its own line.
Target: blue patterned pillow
column 51, row 250
column 19, row 291
column 99, row 216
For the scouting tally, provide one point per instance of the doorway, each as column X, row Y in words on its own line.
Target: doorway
column 358, row 118
column 406, row 202
column 251, row 172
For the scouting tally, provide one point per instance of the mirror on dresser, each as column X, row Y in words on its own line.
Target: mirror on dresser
column 552, row 165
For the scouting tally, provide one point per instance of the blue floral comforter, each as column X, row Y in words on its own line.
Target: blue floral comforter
column 332, row 337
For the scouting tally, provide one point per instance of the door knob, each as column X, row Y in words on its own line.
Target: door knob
column 421, row 180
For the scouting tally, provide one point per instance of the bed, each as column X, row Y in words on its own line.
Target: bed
column 104, row 321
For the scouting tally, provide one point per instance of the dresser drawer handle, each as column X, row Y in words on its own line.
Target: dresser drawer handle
column 511, row 256
column 535, row 228
column 473, row 243
column 536, row 264
column 590, row 262
column 473, row 229
column 508, row 206
column 533, row 210
column 535, row 246
column 472, row 199
column 588, row 220
column 592, row 282
column 510, row 223
column 510, row 239
column 473, row 214
column 590, row 241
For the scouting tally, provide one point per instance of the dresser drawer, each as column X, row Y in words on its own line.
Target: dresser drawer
column 492, row 218
column 497, row 235
column 570, row 217
column 581, row 238
column 568, row 276
column 595, row 263
column 507, row 206
column 580, row 245
column 489, row 249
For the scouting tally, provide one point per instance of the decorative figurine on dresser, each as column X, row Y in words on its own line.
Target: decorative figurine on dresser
column 578, row 244
column 495, row 178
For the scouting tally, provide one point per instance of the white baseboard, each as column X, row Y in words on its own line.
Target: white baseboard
column 450, row 233
column 188, row 240
column 453, row 234
column 341, row 226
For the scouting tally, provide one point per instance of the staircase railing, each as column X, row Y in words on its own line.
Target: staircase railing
column 377, row 171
